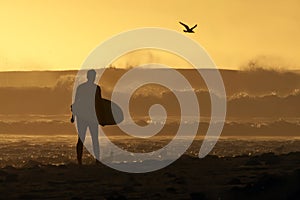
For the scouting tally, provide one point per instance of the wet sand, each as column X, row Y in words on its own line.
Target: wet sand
column 267, row 176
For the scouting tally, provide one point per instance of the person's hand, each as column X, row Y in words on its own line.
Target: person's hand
column 72, row 119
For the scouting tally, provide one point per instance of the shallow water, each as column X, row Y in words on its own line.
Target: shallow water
column 20, row 150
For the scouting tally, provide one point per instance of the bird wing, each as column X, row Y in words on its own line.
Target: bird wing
column 186, row 26
column 194, row 27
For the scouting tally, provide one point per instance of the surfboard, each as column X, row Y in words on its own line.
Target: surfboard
column 108, row 112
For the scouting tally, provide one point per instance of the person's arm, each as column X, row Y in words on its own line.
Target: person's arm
column 76, row 100
column 77, row 95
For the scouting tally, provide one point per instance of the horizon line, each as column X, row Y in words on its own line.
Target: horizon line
column 223, row 69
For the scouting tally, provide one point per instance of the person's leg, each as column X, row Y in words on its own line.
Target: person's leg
column 82, row 127
column 94, row 133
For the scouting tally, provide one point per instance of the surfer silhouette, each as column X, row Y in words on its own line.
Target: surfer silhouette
column 83, row 109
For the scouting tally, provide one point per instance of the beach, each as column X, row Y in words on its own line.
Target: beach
column 115, row 100
column 267, row 176
column 44, row 167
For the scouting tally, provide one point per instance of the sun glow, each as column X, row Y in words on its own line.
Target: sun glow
column 58, row 35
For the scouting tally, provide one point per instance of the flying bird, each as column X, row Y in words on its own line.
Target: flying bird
column 187, row 28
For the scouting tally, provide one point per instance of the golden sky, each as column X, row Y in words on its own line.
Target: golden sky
column 55, row 34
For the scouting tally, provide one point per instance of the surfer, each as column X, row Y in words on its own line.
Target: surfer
column 83, row 109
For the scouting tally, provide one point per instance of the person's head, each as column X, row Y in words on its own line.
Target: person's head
column 91, row 75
